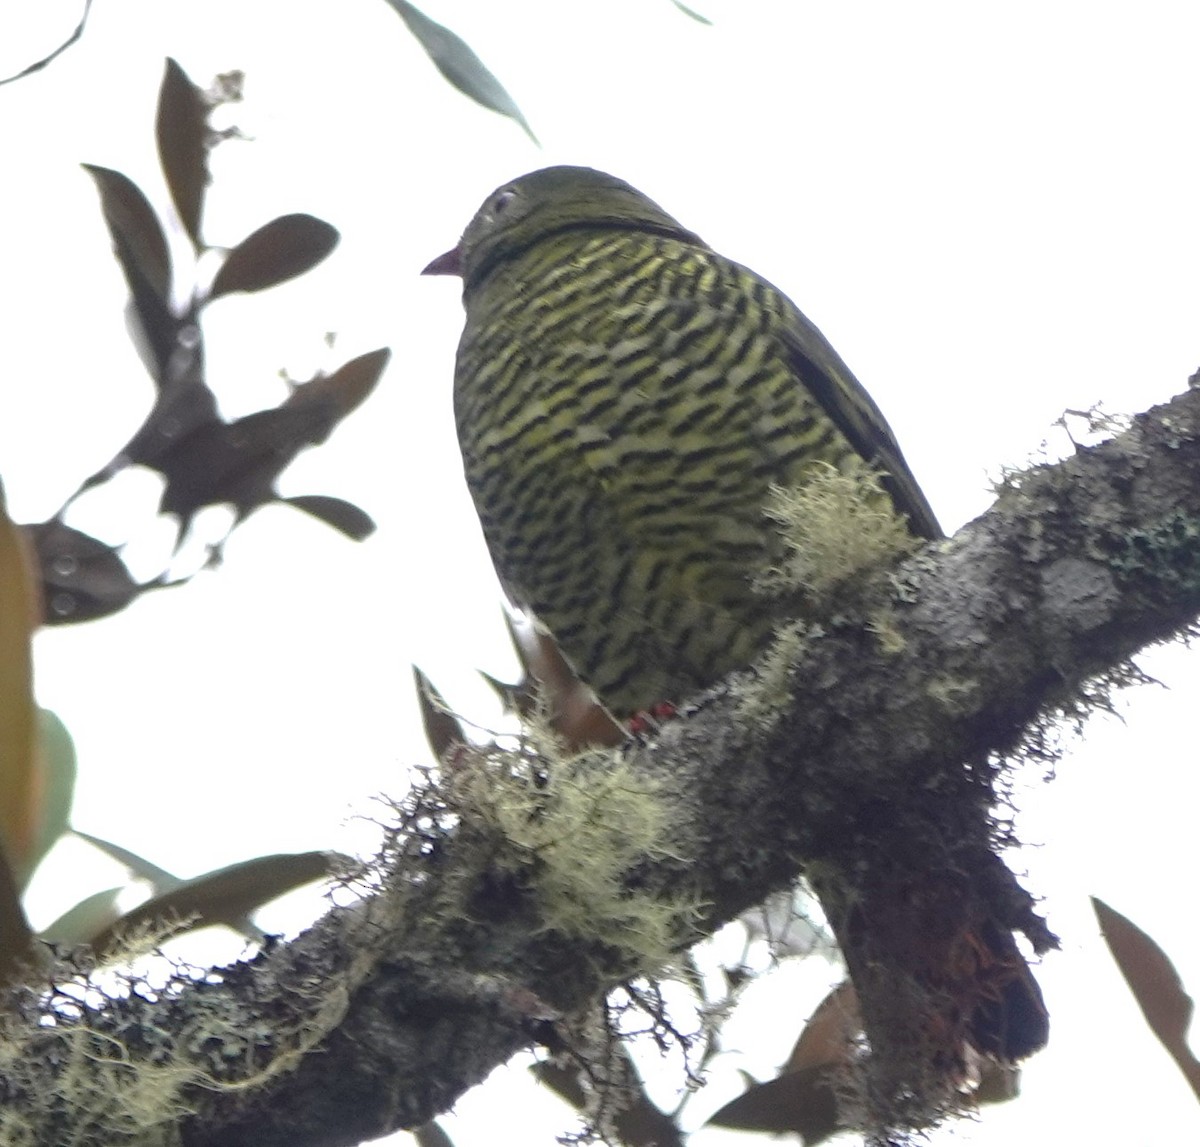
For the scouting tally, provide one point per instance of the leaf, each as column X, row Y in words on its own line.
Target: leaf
column 578, row 717
column 277, row 251
column 1155, row 985
column 182, row 131
column 432, row 1134
column 38, row 65
column 56, row 771
column 20, row 797
column 803, row 1103
column 348, row 386
column 692, row 13
column 459, row 64
column 336, row 512
column 91, row 916
column 237, row 462
column 144, row 869
column 224, row 896
column 141, row 250
column 803, row 1098
column 443, row 730
column 20, row 805
column 82, row 578
column 638, row 1122
column 827, row 1038
column 137, row 235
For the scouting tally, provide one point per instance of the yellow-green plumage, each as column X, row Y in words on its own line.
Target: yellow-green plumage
column 625, row 397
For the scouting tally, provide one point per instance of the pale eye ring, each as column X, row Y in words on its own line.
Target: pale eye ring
column 502, row 201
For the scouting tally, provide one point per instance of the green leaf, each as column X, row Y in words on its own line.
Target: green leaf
column 692, row 12
column 459, row 64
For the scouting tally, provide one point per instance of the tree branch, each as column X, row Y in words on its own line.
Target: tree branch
column 879, row 750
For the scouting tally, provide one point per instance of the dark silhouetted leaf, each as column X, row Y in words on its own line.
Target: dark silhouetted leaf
column 563, row 1081
column 442, row 729
column 347, row 387
column 432, row 1135
column 182, row 131
column 459, row 64
column 998, row 1082
column 802, row 1103
column 1155, row 985
column 141, row 251
column 38, row 65
column 336, row 512
column 137, row 235
column 82, row 578
column 223, row 896
column 237, row 462
column 277, row 251
column 642, row 1124
column 828, row 1037
column 639, row 1123
column 802, row 1099
column 184, row 405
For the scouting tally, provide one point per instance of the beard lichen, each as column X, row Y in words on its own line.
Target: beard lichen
column 839, row 524
column 91, row 1057
column 573, row 828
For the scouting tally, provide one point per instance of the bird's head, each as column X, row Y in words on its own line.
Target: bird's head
column 527, row 210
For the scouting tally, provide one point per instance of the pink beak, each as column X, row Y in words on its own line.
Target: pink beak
column 448, row 264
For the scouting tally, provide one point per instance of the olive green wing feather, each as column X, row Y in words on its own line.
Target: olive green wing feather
column 819, row 367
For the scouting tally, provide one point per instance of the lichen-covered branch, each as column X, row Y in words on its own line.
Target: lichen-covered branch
column 867, row 758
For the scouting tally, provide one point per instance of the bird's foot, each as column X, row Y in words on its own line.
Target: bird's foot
column 648, row 721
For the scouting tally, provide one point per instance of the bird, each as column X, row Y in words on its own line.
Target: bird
column 626, row 399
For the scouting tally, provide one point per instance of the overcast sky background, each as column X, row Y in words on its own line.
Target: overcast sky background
column 990, row 211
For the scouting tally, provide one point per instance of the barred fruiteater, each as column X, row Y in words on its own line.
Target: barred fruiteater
column 625, row 399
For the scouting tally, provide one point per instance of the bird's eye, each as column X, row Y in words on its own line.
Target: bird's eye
column 502, row 201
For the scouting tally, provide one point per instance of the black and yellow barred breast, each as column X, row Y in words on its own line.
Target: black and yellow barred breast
column 624, row 401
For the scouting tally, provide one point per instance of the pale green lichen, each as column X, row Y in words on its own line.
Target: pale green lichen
column 73, row 1080
column 574, row 827
column 836, row 526
column 763, row 698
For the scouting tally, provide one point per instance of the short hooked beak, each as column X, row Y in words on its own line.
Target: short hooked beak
column 448, row 264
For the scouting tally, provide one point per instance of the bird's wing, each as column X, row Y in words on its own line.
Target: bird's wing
column 819, row 367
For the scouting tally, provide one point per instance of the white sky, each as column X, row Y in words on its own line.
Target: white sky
column 990, row 210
